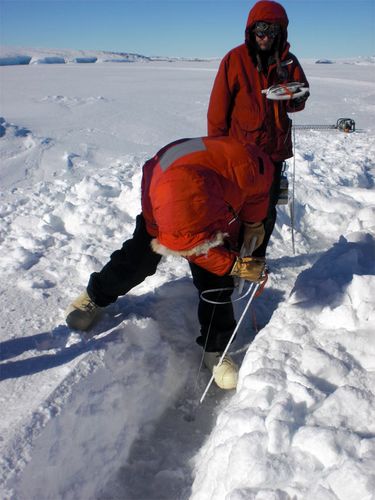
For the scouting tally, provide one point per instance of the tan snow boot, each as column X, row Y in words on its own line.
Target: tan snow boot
column 225, row 375
column 81, row 313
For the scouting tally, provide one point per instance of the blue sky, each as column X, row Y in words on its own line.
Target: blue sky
column 200, row 28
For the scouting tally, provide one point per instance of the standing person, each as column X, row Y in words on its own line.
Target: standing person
column 196, row 194
column 237, row 106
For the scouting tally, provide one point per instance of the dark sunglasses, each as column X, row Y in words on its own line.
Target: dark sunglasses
column 262, row 29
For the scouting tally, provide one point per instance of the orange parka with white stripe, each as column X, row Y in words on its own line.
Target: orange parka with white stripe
column 237, row 106
column 195, row 194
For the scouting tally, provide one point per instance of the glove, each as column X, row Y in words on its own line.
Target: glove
column 294, row 103
column 249, row 268
column 253, row 230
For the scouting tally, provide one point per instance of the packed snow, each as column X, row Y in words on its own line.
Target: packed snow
column 115, row 415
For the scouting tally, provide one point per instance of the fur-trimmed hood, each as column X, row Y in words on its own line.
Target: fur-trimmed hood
column 273, row 13
column 201, row 249
column 195, row 193
column 188, row 207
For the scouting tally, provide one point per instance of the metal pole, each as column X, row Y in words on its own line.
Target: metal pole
column 315, row 127
column 292, row 206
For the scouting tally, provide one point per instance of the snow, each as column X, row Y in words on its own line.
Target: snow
column 116, row 415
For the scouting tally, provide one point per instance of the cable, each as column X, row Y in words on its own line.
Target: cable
column 214, row 290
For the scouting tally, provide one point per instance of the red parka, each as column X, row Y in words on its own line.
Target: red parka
column 237, row 106
column 196, row 192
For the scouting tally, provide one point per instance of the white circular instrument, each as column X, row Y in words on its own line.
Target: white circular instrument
column 286, row 91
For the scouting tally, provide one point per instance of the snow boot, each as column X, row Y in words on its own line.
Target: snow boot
column 225, row 375
column 82, row 312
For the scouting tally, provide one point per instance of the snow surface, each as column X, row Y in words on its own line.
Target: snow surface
column 116, row 415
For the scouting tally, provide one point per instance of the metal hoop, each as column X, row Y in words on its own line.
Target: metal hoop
column 232, row 301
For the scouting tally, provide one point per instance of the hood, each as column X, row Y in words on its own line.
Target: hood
column 268, row 11
column 188, row 207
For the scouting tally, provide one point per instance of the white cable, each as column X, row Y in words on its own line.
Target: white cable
column 254, row 286
column 204, row 350
column 213, row 290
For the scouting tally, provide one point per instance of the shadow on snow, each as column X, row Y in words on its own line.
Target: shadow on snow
column 325, row 282
column 154, row 304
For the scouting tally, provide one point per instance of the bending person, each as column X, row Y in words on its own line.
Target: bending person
column 196, row 194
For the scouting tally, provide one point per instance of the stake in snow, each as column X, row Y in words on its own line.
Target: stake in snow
column 108, row 417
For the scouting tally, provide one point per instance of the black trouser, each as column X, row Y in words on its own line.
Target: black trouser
column 136, row 260
column 127, row 267
column 217, row 321
column 270, row 220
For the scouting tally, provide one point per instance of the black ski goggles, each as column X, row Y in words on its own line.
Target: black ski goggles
column 262, row 29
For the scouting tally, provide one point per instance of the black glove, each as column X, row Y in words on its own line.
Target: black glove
column 295, row 103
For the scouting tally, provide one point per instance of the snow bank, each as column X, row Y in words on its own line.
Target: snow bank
column 84, row 60
column 14, row 60
column 324, row 61
column 48, row 60
column 305, row 406
column 302, row 422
